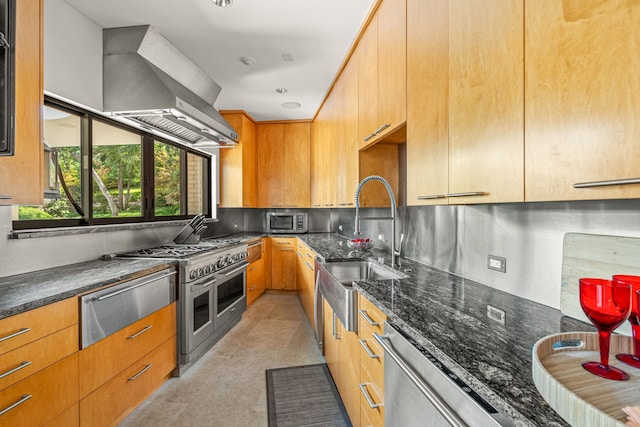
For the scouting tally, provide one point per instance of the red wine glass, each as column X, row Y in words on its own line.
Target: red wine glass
column 607, row 305
column 634, row 282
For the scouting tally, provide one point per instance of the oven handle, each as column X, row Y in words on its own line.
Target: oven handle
column 254, row 244
column 235, row 270
column 113, row 294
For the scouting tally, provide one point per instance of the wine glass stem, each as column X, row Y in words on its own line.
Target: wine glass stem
column 604, row 347
column 635, row 330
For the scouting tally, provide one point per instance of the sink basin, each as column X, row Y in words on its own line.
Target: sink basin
column 334, row 282
column 346, row 272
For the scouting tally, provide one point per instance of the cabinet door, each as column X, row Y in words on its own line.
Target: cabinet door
column 486, row 125
column 582, row 104
column 367, row 52
column 331, row 329
column 392, row 65
column 427, row 101
column 283, row 264
column 297, row 166
column 347, row 172
column 324, row 155
column 238, row 165
column 21, row 175
column 349, row 361
column 270, row 165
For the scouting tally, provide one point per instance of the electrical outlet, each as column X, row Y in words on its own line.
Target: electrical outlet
column 381, row 237
column 497, row 263
column 496, row 314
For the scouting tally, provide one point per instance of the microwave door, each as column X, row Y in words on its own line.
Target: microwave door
column 281, row 222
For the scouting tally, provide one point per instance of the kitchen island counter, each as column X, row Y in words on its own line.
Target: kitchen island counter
column 27, row 291
column 447, row 315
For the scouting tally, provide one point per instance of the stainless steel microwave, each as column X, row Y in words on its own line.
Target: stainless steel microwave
column 287, row 222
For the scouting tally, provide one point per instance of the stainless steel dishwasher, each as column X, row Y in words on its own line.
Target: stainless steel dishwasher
column 108, row 310
column 417, row 387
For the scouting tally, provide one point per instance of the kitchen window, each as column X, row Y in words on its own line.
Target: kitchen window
column 100, row 171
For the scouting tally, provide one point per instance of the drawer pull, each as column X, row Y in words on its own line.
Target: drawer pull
column 367, row 396
column 19, row 402
column 381, row 128
column 253, row 288
column 253, row 268
column 466, row 194
column 606, row 183
column 20, row 332
column 432, row 196
column 134, row 336
column 308, row 265
column 16, row 369
column 366, row 317
column 371, row 354
column 299, row 254
column 142, row 371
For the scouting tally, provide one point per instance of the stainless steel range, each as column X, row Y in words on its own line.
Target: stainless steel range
column 212, row 292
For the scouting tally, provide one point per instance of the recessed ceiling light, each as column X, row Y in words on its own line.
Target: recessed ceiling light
column 291, row 105
column 222, row 3
column 282, row 90
column 287, row 57
column 247, row 60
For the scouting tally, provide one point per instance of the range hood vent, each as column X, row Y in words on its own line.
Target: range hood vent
column 148, row 81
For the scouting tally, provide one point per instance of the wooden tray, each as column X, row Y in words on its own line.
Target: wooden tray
column 581, row 398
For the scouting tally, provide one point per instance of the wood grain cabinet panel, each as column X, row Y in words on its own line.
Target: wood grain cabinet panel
column 255, row 280
column 44, row 395
column 21, row 175
column 101, row 361
column 427, row 102
column 581, row 110
column 486, row 101
column 238, row 178
column 324, row 155
column 270, row 165
column 283, row 263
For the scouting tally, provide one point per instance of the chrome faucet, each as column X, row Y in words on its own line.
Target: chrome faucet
column 394, row 252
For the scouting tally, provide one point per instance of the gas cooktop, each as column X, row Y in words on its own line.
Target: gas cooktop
column 174, row 250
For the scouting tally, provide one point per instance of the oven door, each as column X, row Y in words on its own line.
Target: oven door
column 230, row 296
column 198, row 313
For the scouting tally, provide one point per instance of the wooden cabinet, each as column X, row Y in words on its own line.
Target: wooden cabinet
column 427, row 101
column 21, row 175
column 238, row 178
column 39, row 364
column 486, row 87
column 118, row 372
column 581, row 109
column 284, row 164
column 283, row 263
column 305, row 266
column 324, row 155
column 256, row 284
column 382, row 76
column 370, row 321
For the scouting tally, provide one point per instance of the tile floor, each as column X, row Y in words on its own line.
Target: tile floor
column 227, row 386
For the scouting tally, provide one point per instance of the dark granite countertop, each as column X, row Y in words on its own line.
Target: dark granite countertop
column 27, row 291
column 446, row 314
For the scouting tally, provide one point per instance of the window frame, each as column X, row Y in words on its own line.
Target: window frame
column 148, row 140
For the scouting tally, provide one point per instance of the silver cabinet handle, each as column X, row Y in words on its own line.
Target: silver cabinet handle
column 371, row 354
column 345, row 204
column 15, row 334
column 134, row 336
column 367, row 396
column 606, row 183
column 142, row 371
column 328, row 205
column 333, row 326
column 366, row 317
column 368, row 137
column 308, row 265
column 5, row 197
column 253, row 268
column 432, row 196
column 24, row 398
column 317, row 206
column 253, row 288
column 299, row 254
column 16, row 369
column 444, row 409
column 383, row 127
column 466, row 194
column 286, row 249
column 127, row 289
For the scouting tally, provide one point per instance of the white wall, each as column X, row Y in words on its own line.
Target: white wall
column 72, row 55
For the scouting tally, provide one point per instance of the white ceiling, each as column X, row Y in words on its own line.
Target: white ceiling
column 317, row 34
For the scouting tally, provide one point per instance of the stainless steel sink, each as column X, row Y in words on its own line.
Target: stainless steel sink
column 335, row 283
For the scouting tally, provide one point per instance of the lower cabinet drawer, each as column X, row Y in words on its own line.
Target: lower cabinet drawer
column 24, row 361
column 69, row 418
column 371, row 396
column 42, row 397
column 113, row 401
column 101, row 361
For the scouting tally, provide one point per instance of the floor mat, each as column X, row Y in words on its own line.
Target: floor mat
column 304, row 396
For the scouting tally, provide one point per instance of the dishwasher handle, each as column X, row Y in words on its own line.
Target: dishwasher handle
column 444, row 409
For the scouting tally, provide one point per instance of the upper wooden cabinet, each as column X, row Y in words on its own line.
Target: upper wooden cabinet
column 382, row 109
column 284, row 164
column 324, row 155
column 21, row 175
column 238, row 165
column 582, row 104
column 486, row 87
column 427, row 101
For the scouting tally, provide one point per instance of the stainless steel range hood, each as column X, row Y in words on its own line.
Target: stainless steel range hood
column 147, row 80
